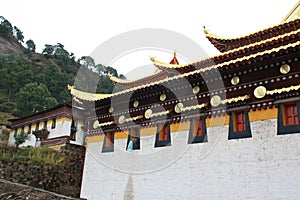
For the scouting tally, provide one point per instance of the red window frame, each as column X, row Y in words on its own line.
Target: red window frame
column 290, row 114
column 164, row 132
column 108, row 139
column 197, row 127
column 239, row 121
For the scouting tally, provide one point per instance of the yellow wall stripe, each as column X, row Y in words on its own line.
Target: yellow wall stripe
column 257, row 115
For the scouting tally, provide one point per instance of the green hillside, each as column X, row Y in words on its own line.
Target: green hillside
column 31, row 81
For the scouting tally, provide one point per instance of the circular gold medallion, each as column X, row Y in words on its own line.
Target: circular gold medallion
column 135, row 104
column 284, row 69
column 235, row 80
column 96, row 124
column 121, row 119
column 148, row 114
column 215, row 100
column 196, row 89
column 260, row 92
column 178, row 108
column 162, row 97
column 111, row 109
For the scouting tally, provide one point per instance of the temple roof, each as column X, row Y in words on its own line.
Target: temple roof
column 277, row 39
column 94, row 97
column 159, row 74
column 238, row 52
column 293, row 14
column 174, row 61
column 224, row 44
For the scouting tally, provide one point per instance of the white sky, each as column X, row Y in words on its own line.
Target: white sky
column 81, row 26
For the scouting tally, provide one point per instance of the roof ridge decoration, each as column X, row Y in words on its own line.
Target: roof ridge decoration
column 293, row 14
column 208, row 34
column 118, row 80
column 166, row 65
column 94, row 97
column 159, row 70
column 86, row 95
column 174, row 60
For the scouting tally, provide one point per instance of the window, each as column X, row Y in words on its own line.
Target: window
column 37, row 124
column 290, row 115
column 45, row 124
column 73, row 130
column 53, row 125
column 108, row 143
column 133, row 140
column 197, row 133
column 29, row 129
column 288, row 120
column 73, row 135
column 239, row 125
column 163, row 136
column 239, row 121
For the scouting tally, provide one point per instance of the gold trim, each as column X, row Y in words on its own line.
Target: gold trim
column 118, row 80
column 121, row 119
column 194, row 107
column 291, row 12
column 284, row 89
column 94, row 97
column 173, row 66
column 284, row 69
column 148, row 113
column 160, row 113
column 133, row 118
column 208, row 34
column 215, row 100
column 235, row 99
column 96, row 124
column 106, row 123
column 162, row 97
column 178, row 107
column 196, row 89
column 235, row 80
column 136, row 103
column 86, row 95
column 260, row 92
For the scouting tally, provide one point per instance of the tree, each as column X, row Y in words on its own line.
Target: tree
column 6, row 28
column 122, row 76
column 87, row 62
column 48, row 50
column 19, row 34
column 34, row 97
column 20, row 138
column 30, row 45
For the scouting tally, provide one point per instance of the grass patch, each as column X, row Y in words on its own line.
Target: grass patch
column 37, row 155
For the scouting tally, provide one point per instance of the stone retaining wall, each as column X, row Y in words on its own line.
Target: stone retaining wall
column 64, row 179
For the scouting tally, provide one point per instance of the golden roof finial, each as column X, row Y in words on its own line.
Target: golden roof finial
column 174, row 53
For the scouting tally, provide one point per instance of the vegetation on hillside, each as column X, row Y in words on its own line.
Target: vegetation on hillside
column 38, row 155
column 31, row 82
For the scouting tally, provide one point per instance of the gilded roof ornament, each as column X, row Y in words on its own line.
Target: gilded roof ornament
column 260, row 92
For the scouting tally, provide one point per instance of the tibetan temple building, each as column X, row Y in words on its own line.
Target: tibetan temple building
column 53, row 127
column 225, row 127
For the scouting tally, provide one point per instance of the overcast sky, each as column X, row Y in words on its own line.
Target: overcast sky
column 83, row 25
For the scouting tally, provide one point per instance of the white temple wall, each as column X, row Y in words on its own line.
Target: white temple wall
column 266, row 166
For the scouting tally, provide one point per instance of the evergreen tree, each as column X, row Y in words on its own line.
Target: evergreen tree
column 34, row 97
column 30, row 45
